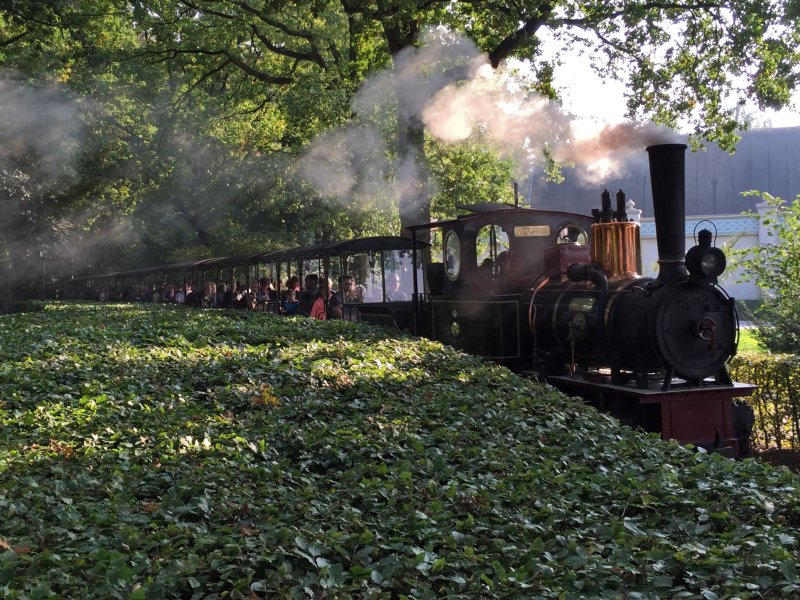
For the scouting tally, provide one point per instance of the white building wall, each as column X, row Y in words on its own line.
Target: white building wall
column 738, row 231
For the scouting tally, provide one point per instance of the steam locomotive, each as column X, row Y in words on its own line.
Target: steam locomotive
column 555, row 295
column 560, row 296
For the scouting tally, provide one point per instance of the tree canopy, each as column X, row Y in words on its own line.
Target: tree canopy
column 207, row 126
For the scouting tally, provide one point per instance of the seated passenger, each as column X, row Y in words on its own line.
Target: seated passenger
column 209, row 294
column 290, row 305
column 486, row 268
column 351, row 293
column 262, row 295
column 293, row 283
column 193, row 296
column 395, row 293
column 240, row 299
column 227, row 296
column 503, row 264
column 326, row 305
column 308, row 295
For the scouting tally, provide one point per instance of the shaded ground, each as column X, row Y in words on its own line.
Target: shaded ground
column 786, row 458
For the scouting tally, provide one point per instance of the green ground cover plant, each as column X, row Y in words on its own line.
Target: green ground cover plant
column 157, row 452
column 748, row 342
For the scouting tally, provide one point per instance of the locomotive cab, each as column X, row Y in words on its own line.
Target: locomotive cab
column 491, row 258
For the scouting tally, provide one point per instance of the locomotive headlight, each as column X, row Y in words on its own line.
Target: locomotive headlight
column 705, row 260
column 713, row 262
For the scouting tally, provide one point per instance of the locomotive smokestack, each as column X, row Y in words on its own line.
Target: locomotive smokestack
column 668, row 180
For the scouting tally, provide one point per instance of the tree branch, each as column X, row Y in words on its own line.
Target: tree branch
column 313, row 56
column 16, row 38
column 167, row 54
column 298, row 33
column 647, row 6
column 530, row 27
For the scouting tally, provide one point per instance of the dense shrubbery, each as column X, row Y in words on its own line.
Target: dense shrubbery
column 776, row 402
column 154, row 452
column 775, row 268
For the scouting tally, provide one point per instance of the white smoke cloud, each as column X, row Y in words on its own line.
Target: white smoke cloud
column 39, row 130
column 522, row 125
column 350, row 163
column 449, row 86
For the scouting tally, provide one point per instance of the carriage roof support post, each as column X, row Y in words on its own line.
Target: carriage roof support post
column 383, row 276
column 415, row 304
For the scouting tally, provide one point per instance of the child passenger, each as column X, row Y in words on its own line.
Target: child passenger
column 291, row 304
column 327, row 304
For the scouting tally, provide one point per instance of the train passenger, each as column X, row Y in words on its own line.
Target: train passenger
column 227, row 296
column 193, row 296
column 486, row 268
column 209, row 294
column 266, row 291
column 351, row 293
column 504, row 264
column 240, row 296
column 290, row 305
column 308, row 295
column 326, row 305
column 395, row 293
column 263, row 293
column 293, row 283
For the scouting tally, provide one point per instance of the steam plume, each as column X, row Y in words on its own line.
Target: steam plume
column 449, row 86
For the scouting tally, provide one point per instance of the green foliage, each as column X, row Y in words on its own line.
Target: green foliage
column 468, row 174
column 684, row 63
column 776, row 402
column 775, row 268
column 155, row 452
column 748, row 341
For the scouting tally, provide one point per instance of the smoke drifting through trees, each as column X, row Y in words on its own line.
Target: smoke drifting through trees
column 40, row 130
column 40, row 139
column 450, row 87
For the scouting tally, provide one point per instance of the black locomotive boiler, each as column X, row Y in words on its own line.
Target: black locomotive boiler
column 560, row 295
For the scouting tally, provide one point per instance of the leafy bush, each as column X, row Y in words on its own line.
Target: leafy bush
column 776, row 402
column 155, row 452
column 775, row 268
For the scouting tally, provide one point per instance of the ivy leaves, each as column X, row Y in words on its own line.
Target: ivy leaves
column 154, row 452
